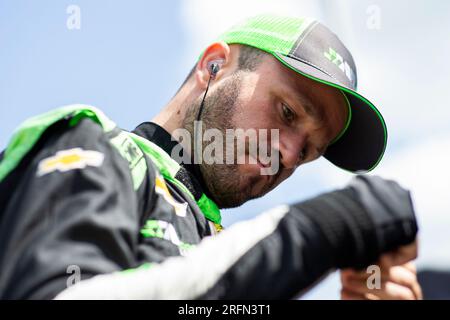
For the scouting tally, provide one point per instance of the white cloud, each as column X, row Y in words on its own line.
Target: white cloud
column 204, row 20
column 413, row 104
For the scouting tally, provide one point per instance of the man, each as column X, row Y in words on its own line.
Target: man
column 80, row 197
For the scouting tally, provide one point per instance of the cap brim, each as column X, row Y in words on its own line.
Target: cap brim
column 362, row 145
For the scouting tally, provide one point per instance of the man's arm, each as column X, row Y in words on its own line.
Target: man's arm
column 275, row 255
column 87, row 217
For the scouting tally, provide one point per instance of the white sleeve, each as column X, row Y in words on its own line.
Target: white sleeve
column 182, row 277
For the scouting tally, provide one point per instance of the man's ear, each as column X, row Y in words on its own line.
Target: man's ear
column 217, row 52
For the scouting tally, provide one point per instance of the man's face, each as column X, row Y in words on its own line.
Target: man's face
column 308, row 116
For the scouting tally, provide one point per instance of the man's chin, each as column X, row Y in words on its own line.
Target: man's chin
column 229, row 202
column 236, row 199
column 249, row 188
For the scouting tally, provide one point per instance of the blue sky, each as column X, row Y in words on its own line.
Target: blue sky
column 124, row 59
column 129, row 57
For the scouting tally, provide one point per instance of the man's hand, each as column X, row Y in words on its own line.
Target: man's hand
column 398, row 279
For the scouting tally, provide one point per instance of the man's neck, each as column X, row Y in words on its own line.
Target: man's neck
column 171, row 116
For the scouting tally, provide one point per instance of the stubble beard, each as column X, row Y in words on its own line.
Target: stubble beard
column 223, row 181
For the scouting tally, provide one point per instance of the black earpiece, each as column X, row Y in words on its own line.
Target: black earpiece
column 214, row 67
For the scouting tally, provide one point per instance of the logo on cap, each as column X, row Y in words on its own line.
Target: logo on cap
column 337, row 59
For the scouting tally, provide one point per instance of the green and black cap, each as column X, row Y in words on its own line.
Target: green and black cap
column 312, row 50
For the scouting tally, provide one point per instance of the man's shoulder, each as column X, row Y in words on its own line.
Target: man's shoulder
column 67, row 133
column 81, row 145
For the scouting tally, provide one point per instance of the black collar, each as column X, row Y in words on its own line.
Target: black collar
column 188, row 174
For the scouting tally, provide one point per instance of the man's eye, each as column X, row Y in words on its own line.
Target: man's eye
column 288, row 115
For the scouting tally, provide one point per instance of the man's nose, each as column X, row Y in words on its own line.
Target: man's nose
column 292, row 151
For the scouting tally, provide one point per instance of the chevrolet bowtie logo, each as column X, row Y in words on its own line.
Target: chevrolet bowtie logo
column 70, row 159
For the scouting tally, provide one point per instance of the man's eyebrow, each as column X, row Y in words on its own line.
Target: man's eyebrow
column 315, row 112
